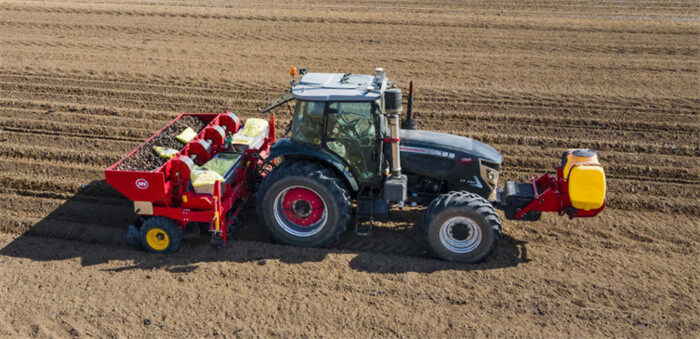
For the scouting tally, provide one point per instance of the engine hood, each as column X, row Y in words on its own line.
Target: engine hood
column 449, row 142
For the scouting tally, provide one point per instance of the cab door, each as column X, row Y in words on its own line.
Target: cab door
column 352, row 135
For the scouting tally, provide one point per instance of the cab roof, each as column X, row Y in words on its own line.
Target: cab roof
column 340, row 87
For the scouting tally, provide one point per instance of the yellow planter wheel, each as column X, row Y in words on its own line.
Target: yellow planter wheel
column 157, row 239
column 160, row 235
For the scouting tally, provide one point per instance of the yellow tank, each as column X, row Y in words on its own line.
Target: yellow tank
column 585, row 177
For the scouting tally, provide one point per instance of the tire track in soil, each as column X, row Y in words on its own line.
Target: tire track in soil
column 80, row 115
column 147, row 100
column 513, row 43
column 478, row 121
column 444, row 97
column 87, row 110
column 641, row 123
column 67, row 142
column 135, row 82
column 325, row 20
column 12, row 45
column 184, row 106
column 440, row 101
column 72, row 129
column 561, row 142
column 71, row 156
column 525, row 123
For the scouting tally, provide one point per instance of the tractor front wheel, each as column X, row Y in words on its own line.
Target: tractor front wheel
column 461, row 227
column 160, row 235
column 304, row 204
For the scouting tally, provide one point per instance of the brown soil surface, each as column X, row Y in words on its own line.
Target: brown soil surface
column 146, row 159
column 84, row 83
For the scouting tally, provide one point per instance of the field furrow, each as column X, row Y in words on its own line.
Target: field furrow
column 83, row 83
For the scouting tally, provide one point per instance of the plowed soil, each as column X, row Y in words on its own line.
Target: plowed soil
column 83, row 83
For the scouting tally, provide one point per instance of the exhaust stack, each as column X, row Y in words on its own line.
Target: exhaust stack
column 392, row 104
column 409, row 122
column 395, row 186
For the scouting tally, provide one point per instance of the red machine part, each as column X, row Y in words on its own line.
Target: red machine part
column 302, row 206
column 167, row 187
column 229, row 121
column 552, row 195
column 215, row 135
column 197, row 201
column 138, row 186
column 152, row 186
column 199, row 151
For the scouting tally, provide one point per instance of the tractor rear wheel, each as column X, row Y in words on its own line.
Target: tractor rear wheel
column 160, row 235
column 303, row 203
column 461, row 227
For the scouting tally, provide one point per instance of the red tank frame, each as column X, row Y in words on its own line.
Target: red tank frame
column 166, row 186
column 552, row 195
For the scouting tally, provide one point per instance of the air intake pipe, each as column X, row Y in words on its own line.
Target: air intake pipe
column 392, row 106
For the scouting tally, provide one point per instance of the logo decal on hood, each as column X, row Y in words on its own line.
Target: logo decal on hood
column 429, row 151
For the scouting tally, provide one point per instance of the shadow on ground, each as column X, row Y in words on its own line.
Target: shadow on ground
column 95, row 219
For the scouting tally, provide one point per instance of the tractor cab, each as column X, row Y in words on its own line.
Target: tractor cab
column 339, row 116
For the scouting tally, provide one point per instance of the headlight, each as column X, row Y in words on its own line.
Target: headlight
column 492, row 176
column 489, row 173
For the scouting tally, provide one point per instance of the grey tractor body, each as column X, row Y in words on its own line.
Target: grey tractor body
column 434, row 162
column 448, row 163
column 344, row 146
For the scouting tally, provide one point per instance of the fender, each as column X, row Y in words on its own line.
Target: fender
column 286, row 148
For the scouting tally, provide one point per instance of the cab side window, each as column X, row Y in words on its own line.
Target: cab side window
column 308, row 121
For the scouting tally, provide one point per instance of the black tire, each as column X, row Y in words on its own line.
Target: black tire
column 133, row 236
column 461, row 227
column 308, row 176
column 161, row 226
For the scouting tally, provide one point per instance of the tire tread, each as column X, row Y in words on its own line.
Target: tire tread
column 324, row 176
column 167, row 224
column 461, row 199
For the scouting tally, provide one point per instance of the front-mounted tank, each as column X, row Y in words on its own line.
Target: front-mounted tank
column 463, row 163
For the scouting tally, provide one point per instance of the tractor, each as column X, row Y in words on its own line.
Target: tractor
column 345, row 146
column 344, row 154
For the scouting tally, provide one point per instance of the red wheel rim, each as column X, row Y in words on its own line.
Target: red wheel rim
column 302, row 206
